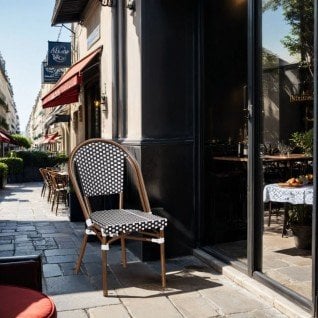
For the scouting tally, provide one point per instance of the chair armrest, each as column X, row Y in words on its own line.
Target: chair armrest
column 24, row 271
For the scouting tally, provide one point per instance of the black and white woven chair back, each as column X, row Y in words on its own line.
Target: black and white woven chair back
column 100, row 168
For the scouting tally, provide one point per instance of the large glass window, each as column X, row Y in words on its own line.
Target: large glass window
column 287, row 141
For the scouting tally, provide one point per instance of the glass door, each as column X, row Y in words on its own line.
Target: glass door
column 282, row 125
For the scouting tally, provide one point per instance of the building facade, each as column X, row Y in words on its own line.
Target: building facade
column 9, row 119
column 181, row 85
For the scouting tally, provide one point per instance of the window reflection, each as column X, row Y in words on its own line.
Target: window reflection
column 287, row 78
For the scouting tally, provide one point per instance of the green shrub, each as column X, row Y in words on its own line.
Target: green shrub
column 3, row 169
column 15, row 165
column 59, row 159
column 22, row 140
column 40, row 159
column 34, row 158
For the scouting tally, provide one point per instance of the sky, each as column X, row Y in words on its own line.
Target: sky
column 274, row 29
column 25, row 29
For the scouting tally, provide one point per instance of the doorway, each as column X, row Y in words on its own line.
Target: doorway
column 225, row 128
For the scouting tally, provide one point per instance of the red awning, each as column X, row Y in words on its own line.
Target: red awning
column 50, row 139
column 66, row 90
column 4, row 138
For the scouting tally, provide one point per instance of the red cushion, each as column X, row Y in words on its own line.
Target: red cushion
column 18, row 302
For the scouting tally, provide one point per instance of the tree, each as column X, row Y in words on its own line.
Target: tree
column 299, row 14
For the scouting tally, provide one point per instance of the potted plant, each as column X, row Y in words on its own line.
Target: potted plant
column 303, row 141
column 300, row 222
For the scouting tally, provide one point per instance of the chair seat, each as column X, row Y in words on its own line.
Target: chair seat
column 117, row 221
column 19, row 302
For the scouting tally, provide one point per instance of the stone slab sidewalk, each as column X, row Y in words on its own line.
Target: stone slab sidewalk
column 27, row 226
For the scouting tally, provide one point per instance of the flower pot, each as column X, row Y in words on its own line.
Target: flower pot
column 302, row 236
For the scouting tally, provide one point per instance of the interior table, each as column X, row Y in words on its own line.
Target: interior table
column 288, row 195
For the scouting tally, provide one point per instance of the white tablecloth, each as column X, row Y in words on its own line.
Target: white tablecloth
column 293, row 195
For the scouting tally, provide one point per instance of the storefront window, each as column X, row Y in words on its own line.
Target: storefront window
column 287, row 139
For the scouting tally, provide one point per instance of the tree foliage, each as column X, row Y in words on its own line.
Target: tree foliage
column 299, row 14
column 22, row 140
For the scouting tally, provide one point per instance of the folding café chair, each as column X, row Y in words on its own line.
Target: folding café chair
column 97, row 168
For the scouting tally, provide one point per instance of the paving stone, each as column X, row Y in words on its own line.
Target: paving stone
column 194, row 290
column 193, row 305
column 115, row 311
column 69, row 269
column 6, row 253
column 68, row 284
column 73, row 314
column 51, row 270
column 135, row 274
column 231, row 299
column 61, row 252
column 6, row 247
column 80, row 300
column 151, row 303
column 61, row 259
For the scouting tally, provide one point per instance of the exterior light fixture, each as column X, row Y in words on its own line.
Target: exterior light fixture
column 107, row 3
column 97, row 103
column 131, row 5
column 102, row 101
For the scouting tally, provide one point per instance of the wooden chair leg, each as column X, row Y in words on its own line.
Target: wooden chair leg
column 81, row 254
column 163, row 261
column 104, row 267
column 123, row 252
column 269, row 213
column 53, row 201
column 57, row 201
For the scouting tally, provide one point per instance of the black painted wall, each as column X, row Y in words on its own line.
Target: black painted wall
column 166, row 150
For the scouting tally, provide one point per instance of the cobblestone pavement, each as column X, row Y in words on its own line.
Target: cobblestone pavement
column 27, row 226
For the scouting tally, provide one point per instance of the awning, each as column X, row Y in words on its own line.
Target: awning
column 57, row 118
column 67, row 89
column 6, row 137
column 50, row 139
column 66, row 11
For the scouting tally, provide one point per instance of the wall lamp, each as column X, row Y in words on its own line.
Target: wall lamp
column 101, row 101
column 107, row 3
column 131, row 5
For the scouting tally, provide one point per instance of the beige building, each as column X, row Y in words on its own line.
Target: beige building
column 9, row 119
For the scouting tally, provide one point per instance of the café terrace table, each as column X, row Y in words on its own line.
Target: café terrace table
column 288, row 195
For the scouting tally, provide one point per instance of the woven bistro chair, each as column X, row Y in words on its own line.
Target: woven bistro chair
column 45, row 182
column 97, row 168
column 59, row 189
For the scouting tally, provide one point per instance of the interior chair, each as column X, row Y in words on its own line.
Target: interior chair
column 21, row 288
column 98, row 167
column 59, row 189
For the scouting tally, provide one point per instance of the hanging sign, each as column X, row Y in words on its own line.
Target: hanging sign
column 50, row 74
column 59, row 54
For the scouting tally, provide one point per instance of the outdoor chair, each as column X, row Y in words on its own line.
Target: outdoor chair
column 45, row 182
column 21, row 288
column 97, row 167
column 59, row 189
